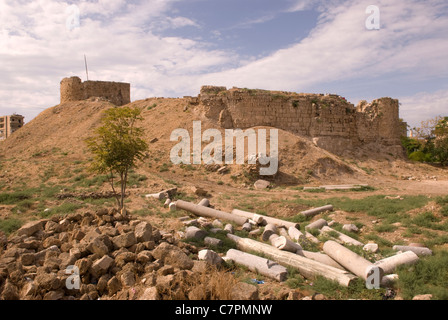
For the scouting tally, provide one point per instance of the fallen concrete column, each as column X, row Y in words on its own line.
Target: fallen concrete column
column 204, row 202
column 420, row 251
column 295, row 234
column 272, row 238
column 344, row 186
column 343, row 237
column 269, row 230
column 258, row 264
column 283, row 232
column 247, row 227
column 306, row 267
column 287, row 245
column 229, row 228
column 259, row 219
column 209, row 212
column 311, row 238
column 195, row 233
column 389, row 280
column 391, row 263
column 213, row 241
column 321, row 257
column 277, row 222
column 350, row 260
column 313, row 212
column 167, row 203
column 318, row 224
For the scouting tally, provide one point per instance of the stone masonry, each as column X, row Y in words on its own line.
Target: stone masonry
column 331, row 121
column 73, row 89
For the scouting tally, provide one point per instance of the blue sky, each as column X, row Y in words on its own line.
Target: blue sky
column 170, row 48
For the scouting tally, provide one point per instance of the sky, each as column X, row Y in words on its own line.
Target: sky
column 170, row 48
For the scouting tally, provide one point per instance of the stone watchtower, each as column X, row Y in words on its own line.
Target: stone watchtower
column 73, row 89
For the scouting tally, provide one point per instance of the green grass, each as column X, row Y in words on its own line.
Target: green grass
column 14, row 197
column 356, row 290
column 385, row 228
column 428, row 276
column 62, row 209
column 375, row 205
column 10, row 225
column 426, row 220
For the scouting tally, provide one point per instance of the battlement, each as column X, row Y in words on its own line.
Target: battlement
column 73, row 89
column 332, row 122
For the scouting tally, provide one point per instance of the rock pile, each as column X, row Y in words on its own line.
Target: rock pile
column 101, row 255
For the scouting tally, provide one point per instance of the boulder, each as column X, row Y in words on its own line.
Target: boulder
column 350, row 227
column 244, row 291
column 31, row 227
column 210, row 256
column 113, row 285
column 143, row 232
column 150, row 293
column 101, row 266
column 124, row 240
column 172, row 255
column 10, row 292
column 261, row 184
column 371, row 247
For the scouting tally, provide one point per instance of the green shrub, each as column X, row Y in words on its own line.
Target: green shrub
column 420, row 156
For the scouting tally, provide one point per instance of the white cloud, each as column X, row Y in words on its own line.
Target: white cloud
column 340, row 48
column 423, row 106
column 37, row 50
column 300, row 5
column 121, row 43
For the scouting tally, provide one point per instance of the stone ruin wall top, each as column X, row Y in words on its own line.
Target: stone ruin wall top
column 73, row 89
column 329, row 119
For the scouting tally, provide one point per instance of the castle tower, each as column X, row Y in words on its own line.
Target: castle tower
column 389, row 128
column 71, row 89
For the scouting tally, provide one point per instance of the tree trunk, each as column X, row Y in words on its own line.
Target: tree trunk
column 307, row 267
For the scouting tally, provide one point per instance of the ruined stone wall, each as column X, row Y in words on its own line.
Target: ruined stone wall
column 330, row 120
column 73, row 89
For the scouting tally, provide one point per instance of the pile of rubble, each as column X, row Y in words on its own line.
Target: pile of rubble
column 104, row 255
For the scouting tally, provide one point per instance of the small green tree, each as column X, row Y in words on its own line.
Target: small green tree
column 441, row 141
column 117, row 146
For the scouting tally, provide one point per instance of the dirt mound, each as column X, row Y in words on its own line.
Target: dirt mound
column 52, row 144
column 56, row 138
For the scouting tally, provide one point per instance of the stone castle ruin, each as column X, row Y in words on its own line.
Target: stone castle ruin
column 329, row 120
column 73, row 89
column 333, row 123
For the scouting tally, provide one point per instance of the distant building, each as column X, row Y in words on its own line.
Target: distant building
column 9, row 124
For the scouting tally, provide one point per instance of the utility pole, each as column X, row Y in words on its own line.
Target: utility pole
column 85, row 62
